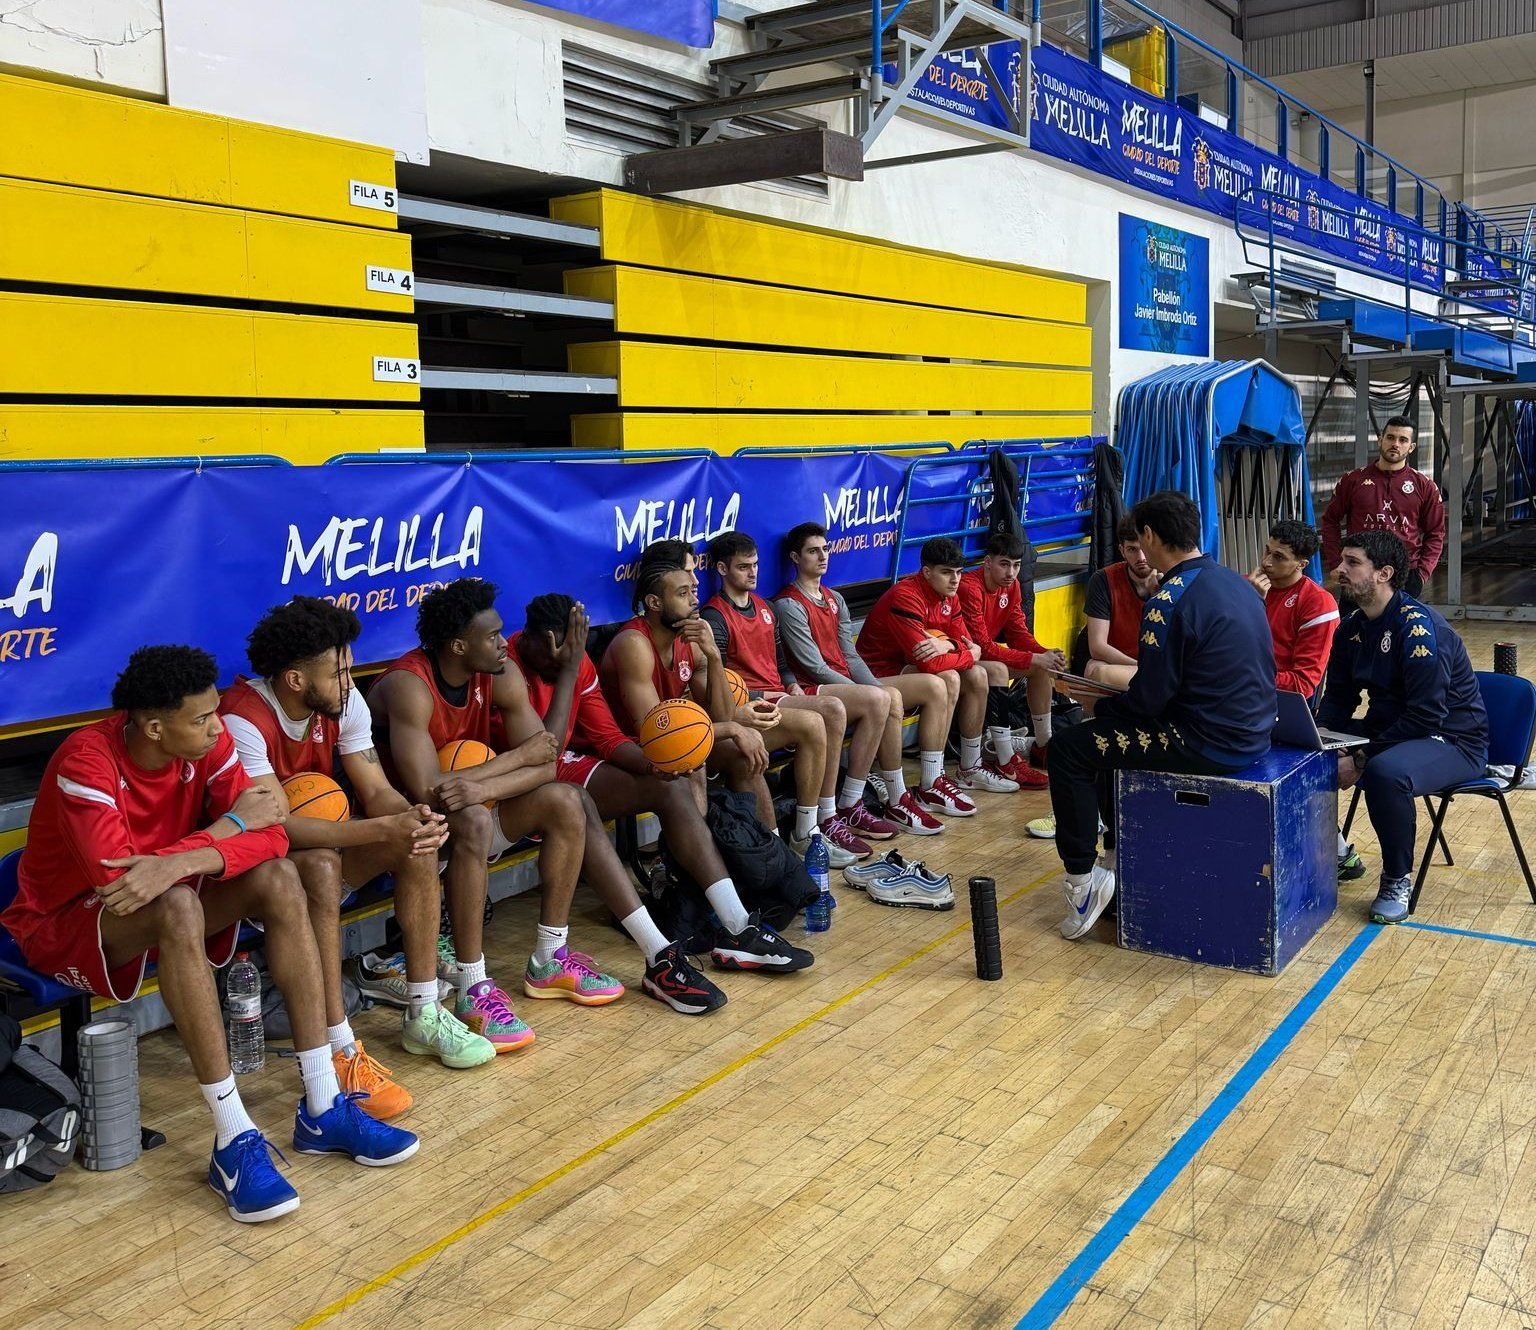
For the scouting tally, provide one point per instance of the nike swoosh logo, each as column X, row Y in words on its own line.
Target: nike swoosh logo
column 226, row 1094
column 1083, row 908
column 313, row 1131
column 230, row 1183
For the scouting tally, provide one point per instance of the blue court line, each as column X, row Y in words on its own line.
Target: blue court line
column 1131, row 1211
column 1467, row 932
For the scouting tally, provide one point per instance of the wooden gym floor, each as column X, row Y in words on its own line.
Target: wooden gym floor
column 1103, row 1139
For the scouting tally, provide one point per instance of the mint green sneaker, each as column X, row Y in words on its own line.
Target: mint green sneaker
column 438, row 1033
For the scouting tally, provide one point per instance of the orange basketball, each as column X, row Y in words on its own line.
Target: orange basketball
column 313, row 795
column 738, row 685
column 464, row 753
column 677, row 736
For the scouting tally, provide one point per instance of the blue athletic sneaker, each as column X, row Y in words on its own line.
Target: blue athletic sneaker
column 244, row 1177
column 344, row 1129
column 1391, row 903
column 889, row 864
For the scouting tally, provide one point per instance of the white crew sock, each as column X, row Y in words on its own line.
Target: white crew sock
column 320, row 1084
column 229, row 1115
column 1042, row 728
column 341, row 1037
column 853, row 792
column 1343, row 845
column 548, row 941
column 826, row 810
column 642, row 928
column 895, row 785
column 805, row 820
column 930, row 767
column 725, row 902
column 970, row 753
column 1002, row 743
column 470, row 973
column 419, row 997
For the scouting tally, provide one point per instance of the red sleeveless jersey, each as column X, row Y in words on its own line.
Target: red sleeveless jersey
column 316, row 751
column 824, row 626
column 754, row 642
column 478, row 718
column 670, row 681
column 1125, row 608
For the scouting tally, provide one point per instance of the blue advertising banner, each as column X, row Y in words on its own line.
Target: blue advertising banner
column 106, row 561
column 1165, row 289
column 1081, row 115
column 691, row 22
column 982, row 85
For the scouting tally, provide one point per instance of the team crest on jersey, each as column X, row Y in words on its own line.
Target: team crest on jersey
column 1386, row 642
column 685, row 670
column 765, row 616
column 1407, row 487
column 1002, row 601
column 945, row 610
column 1290, row 603
column 187, row 772
column 317, row 731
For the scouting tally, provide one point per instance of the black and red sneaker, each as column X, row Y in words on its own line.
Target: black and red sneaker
column 671, row 978
column 759, row 947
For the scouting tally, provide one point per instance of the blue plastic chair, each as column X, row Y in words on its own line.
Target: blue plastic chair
column 45, row 994
column 1511, row 705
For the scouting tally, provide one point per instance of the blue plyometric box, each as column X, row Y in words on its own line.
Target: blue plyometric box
column 1238, row 871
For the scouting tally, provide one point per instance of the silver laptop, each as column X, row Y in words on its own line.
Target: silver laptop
column 1296, row 726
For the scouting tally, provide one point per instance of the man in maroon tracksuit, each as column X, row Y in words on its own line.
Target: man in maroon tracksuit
column 1389, row 495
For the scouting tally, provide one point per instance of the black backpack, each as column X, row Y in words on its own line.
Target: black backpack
column 769, row 876
column 39, row 1114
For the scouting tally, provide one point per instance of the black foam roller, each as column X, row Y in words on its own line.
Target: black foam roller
column 984, row 928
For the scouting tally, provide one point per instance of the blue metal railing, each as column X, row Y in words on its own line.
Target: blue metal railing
column 144, row 463
column 970, row 465
column 1511, row 300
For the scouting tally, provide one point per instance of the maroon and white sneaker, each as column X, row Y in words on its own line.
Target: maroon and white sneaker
column 987, row 777
column 1028, row 777
column 838, row 833
column 944, row 796
column 912, row 817
column 868, row 825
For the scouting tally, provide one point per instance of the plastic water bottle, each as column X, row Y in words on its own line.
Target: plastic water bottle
column 242, row 1009
column 818, row 914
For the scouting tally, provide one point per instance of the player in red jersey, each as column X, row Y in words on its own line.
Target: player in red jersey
column 620, row 782
column 816, row 631
column 298, row 714
column 994, row 614
column 457, row 686
column 1388, row 495
column 668, row 651
column 918, row 627
column 746, row 630
column 1302, row 616
column 148, row 840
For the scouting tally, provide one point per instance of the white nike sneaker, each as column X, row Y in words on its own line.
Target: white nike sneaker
column 1086, row 903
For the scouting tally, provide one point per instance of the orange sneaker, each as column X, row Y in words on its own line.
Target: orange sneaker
column 360, row 1074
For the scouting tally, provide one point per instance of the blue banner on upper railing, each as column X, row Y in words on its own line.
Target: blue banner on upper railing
column 1081, row 115
column 691, row 22
column 96, row 563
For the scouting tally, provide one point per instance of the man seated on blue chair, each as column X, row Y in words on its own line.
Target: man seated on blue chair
column 1424, row 712
column 1202, row 701
column 148, row 836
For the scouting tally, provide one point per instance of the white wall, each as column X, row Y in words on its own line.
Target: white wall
column 115, row 43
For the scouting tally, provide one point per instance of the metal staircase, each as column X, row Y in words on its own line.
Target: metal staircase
column 863, row 56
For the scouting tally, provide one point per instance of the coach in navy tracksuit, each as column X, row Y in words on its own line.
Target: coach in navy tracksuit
column 1202, row 701
column 1424, row 715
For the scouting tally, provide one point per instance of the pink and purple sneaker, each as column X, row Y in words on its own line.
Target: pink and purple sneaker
column 487, row 1011
column 573, row 976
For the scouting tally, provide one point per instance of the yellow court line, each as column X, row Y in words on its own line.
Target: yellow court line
column 656, row 1114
